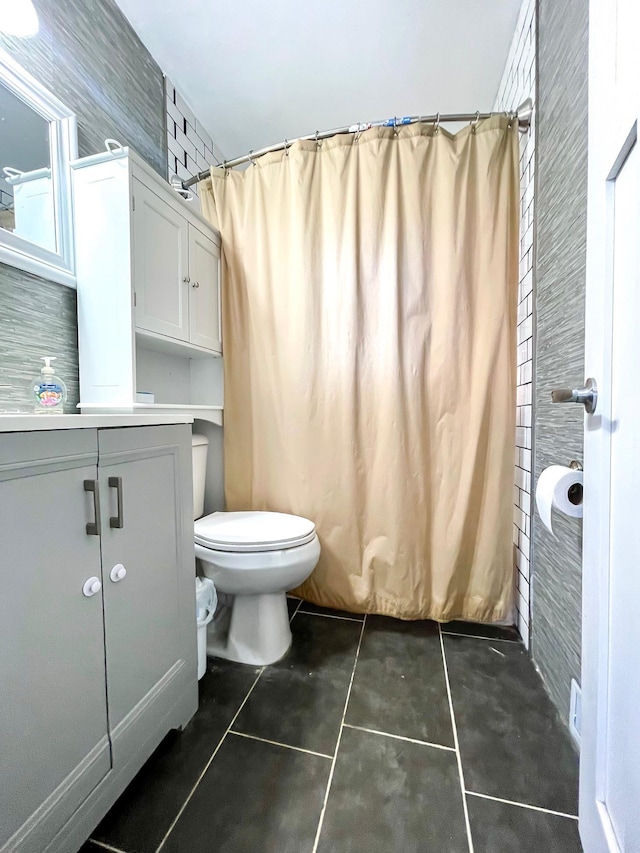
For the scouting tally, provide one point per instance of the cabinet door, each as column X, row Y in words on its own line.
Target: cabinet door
column 145, row 475
column 160, row 265
column 53, row 724
column 204, row 291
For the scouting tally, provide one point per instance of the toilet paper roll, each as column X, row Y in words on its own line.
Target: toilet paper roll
column 559, row 488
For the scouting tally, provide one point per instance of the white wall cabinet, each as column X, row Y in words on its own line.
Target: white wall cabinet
column 93, row 674
column 148, row 279
column 204, row 291
column 160, row 265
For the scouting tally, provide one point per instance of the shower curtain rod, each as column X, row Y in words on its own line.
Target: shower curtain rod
column 522, row 114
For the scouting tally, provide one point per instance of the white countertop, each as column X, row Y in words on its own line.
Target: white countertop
column 30, row 423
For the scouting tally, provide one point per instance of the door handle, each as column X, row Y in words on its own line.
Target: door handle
column 93, row 527
column 588, row 396
column 117, row 520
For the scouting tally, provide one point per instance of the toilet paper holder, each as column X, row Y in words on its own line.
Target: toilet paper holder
column 588, row 395
column 577, row 466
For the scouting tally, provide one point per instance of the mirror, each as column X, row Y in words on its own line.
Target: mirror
column 26, row 183
column 37, row 142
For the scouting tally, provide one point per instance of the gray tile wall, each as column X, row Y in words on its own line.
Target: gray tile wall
column 37, row 318
column 561, row 186
column 87, row 54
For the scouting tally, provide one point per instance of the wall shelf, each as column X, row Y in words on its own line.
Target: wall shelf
column 212, row 414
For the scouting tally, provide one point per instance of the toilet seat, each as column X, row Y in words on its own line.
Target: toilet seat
column 247, row 532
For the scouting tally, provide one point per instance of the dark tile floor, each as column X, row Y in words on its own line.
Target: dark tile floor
column 371, row 736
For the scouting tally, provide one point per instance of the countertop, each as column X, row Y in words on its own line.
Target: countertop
column 31, row 423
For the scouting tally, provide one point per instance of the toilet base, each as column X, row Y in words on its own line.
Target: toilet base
column 259, row 632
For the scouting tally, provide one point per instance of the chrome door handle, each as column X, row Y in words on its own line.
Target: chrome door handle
column 186, row 279
column 588, row 396
column 117, row 520
column 93, row 527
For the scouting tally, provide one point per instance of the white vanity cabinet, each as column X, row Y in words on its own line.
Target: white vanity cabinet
column 97, row 621
column 148, row 278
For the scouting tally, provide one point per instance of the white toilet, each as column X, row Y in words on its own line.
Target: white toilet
column 256, row 557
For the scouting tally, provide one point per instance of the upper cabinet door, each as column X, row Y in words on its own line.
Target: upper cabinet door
column 145, row 484
column 204, row 291
column 160, row 265
column 53, row 726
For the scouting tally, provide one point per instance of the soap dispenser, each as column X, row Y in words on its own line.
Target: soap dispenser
column 49, row 391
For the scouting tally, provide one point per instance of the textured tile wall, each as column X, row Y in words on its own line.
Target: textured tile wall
column 561, row 187
column 190, row 148
column 517, row 84
column 87, row 54
column 37, row 318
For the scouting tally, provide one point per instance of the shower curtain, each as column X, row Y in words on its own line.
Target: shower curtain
column 369, row 321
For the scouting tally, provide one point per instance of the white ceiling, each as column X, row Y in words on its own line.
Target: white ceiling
column 258, row 71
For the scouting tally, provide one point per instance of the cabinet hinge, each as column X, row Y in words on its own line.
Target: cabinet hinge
column 135, row 301
column 133, row 201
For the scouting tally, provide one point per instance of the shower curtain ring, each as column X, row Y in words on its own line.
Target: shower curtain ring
column 253, row 162
column 436, row 128
column 318, row 141
column 286, row 148
column 395, row 125
column 474, row 123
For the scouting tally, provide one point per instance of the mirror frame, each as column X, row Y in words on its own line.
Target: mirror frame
column 17, row 251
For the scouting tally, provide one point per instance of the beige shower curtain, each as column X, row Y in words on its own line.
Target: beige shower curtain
column 369, row 351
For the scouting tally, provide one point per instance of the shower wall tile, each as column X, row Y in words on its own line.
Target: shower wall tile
column 561, row 193
column 517, row 84
column 190, row 148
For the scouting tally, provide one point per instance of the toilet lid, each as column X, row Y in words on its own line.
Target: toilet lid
column 252, row 531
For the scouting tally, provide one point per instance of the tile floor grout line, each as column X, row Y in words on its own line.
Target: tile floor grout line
column 294, row 612
column 478, row 637
column 283, row 745
column 329, row 616
column 105, row 846
column 335, row 754
column 400, row 737
column 521, row 805
column 456, row 742
column 208, row 764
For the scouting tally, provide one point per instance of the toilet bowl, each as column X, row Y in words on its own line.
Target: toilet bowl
column 256, row 557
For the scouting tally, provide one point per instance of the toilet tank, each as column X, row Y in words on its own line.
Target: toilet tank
column 199, row 447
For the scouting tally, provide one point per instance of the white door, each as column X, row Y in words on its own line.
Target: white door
column 204, row 302
column 610, row 743
column 160, row 265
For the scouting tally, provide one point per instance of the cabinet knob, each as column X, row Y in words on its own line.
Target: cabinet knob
column 196, row 284
column 118, row 573
column 186, row 279
column 91, row 586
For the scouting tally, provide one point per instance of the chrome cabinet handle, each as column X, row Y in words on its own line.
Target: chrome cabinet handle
column 196, row 284
column 588, row 396
column 93, row 527
column 186, row 279
column 117, row 520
